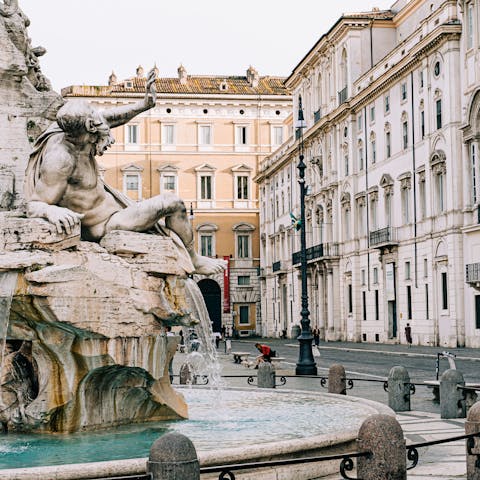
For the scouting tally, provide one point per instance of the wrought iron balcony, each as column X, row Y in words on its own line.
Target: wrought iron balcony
column 317, row 116
column 472, row 273
column 342, row 95
column 383, row 237
column 321, row 250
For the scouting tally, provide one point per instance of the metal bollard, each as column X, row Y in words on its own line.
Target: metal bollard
column 336, row 379
column 472, row 425
column 381, row 435
column 173, row 457
column 452, row 401
column 399, row 389
column 266, row 375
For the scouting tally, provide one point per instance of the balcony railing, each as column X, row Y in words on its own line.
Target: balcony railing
column 317, row 116
column 472, row 273
column 383, row 236
column 318, row 251
column 342, row 95
column 276, row 266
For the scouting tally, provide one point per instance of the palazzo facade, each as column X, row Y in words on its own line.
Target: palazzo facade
column 391, row 101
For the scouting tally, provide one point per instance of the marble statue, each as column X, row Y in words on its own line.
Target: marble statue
column 62, row 183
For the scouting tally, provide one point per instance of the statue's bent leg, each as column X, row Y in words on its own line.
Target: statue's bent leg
column 142, row 216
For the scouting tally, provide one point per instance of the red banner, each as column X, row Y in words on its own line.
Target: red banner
column 226, row 286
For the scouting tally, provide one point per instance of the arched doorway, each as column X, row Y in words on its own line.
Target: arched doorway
column 212, row 295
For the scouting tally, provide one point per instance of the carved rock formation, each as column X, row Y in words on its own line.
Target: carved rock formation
column 86, row 347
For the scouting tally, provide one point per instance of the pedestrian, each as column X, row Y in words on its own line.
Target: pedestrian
column 170, row 365
column 408, row 334
column 266, row 353
column 316, row 337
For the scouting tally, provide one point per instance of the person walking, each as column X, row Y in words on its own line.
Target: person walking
column 408, row 334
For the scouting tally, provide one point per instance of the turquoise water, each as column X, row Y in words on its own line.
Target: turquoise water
column 218, row 419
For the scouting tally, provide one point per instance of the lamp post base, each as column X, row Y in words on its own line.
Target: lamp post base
column 306, row 364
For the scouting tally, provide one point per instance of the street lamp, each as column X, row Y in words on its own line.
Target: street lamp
column 306, row 364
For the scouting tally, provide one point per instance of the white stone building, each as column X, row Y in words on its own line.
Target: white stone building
column 391, row 143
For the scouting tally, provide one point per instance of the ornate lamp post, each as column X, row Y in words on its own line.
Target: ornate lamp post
column 306, row 364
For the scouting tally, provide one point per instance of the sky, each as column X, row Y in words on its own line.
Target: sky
column 86, row 40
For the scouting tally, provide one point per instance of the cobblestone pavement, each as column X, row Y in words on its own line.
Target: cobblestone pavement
column 442, row 462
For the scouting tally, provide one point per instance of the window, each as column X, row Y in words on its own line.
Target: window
column 387, row 103
column 377, row 312
column 407, row 270
column 422, row 197
column 409, row 302
column 473, row 159
column 373, row 146
column 277, row 135
column 375, row 275
column 438, row 111
column 350, row 298
column 243, row 249
column 425, row 268
column 243, row 315
column 403, row 91
column 347, row 166
column 436, row 69
column 168, row 134
column 420, row 74
column 242, row 187
column 243, row 280
column 440, row 191
column 388, row 209
column 241, row 135
column 359, row 122
column 444, row 291
column 206, row 187
column 364, row 304
column 206, row 245
column 405, row 197
column 132, row 182
column 132, row 134
column 373, row 212
column 363, row 276
column 422, row 124
column 169, row 182
column 427, row 312
column 477, row 311
column 372, row 113
column 361, row 164
column 205, row 135
column 388, row 144
column 405, row 134
column 470, row 25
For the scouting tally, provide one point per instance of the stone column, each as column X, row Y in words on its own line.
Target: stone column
column 382, row 435
column 173, row 457
column 321, row 305
column 336, row 379
column 399, row 389
column 266, row 375
column 472, row 425
column 452, row 403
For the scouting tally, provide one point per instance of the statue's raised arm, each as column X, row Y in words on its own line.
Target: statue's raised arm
column 120, row 115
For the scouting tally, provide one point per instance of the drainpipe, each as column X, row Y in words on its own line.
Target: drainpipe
column 367, row 205
column 414, row 187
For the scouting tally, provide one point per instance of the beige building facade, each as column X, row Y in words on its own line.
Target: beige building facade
column 203, row 141
column 392, row 107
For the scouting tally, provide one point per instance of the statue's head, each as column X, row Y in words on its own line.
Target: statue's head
column 78, row 119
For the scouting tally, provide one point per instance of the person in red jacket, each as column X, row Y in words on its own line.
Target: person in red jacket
column 266, row 353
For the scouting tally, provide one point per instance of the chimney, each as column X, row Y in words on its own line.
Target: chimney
column 112, row 79
column 139, row 72
column 182, row 74
column 252, row 77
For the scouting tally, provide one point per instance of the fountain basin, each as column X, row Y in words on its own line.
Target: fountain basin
column 226, row 426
